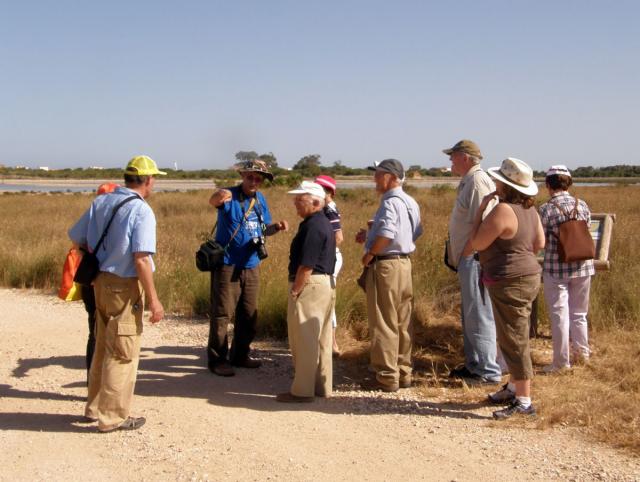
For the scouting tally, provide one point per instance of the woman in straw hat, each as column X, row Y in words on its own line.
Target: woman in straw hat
column 508, row 240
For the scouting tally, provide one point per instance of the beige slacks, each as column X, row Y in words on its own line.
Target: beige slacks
column 119, row 309
column 310, row 337
column 389, row 290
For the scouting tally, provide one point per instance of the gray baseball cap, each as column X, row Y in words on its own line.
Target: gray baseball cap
column 392, row 166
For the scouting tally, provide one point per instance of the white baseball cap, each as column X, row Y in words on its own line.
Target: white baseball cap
column 309, row 187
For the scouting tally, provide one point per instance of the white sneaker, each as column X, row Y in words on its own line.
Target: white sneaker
column 549, row 369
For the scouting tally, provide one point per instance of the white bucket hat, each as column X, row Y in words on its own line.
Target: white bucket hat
column 517, row 174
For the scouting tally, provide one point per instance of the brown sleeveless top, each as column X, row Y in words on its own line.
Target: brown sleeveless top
column 510, row 258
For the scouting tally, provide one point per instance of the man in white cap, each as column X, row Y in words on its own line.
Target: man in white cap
column 311, row 293
column 125, row 277
column 478, row 326
column 388, row 244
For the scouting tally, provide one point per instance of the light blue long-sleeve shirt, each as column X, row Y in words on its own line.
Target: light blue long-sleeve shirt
column 133, row 230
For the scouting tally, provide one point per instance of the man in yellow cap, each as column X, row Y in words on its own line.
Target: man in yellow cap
column 121, row 229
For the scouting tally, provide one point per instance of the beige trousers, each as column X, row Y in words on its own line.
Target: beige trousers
column 119, row 308
column 310, row 337
column 389, row 302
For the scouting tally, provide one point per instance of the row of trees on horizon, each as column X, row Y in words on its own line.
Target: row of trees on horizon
column 307, row 166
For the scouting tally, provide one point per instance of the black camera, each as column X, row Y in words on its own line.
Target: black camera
column 259, row 245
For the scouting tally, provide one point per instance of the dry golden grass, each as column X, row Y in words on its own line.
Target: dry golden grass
column 601, row 397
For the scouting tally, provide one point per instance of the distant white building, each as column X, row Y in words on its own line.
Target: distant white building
column 96, row 167
column 43, row 168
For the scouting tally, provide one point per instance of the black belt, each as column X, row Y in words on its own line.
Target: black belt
column 384, row 257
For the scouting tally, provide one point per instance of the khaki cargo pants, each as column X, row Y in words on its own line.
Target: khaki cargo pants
column 119, row 309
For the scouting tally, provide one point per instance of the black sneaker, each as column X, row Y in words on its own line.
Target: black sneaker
column 460, row 372
column 516, row 408
column 504, row 396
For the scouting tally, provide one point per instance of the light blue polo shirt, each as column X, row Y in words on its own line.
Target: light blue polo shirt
column 133, row 230
column 392, row 221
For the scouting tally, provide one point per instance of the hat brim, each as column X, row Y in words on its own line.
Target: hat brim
column 448, row 152
column 530, row 190
column 267, row 175
column 145, row 173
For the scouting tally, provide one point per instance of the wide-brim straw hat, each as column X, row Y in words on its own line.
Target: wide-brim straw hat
column 517, row 174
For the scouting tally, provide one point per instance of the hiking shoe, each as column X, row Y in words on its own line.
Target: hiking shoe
column 504, row 396
column 131, row 423
column 247, row 363
column 475, row 380
column 223, row 369
column 515, row 408
column 373, row 385
column 460, row 372
column 288, row 397
column 550, row 369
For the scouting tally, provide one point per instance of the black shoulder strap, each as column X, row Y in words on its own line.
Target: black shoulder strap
column 413, row 228
column 113, row 214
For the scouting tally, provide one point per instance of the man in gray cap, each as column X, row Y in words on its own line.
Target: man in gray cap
column 388, row 244
column 478, row 325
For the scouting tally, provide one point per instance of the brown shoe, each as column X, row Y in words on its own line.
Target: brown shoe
column 223, row 369
column 247, row 363
column 289, row 397
column 406, row 383
column 373, row 385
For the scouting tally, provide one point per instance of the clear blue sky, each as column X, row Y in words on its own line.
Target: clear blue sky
column 94, row 83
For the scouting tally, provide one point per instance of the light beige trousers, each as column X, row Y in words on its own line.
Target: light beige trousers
column 119, row 309
column 310, row 337
column 389, row 302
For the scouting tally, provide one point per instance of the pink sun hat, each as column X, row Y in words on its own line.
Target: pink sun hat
column 326, row 181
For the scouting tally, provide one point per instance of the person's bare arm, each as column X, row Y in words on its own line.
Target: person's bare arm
column 499, row 222
column 219, row 197
column 539, row 242
column 142, row 263
column 277, row 227
column 339, row 237
column 378, row 246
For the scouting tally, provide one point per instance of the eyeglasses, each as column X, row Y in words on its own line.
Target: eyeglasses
column 257, row 178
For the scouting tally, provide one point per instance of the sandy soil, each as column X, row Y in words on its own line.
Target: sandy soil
column 203, row 427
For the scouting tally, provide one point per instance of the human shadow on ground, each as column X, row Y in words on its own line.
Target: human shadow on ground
column 180, row 371
column 25, row 365
column 44, row 422
column 7, row 391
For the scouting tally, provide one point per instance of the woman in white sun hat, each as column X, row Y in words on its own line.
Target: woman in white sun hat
column 566, row 285
column 508, row 239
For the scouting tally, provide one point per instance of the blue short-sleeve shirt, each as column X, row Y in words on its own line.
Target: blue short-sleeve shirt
column 241, row 252
column 133, row 230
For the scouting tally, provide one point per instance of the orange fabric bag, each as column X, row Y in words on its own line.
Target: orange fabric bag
column 70, row 291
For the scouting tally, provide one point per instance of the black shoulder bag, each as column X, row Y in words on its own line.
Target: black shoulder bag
column 210, row 255
column 89, row 266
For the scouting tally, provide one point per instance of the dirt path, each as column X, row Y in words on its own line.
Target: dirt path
column 201, row 427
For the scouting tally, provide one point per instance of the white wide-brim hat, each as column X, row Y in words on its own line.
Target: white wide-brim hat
column 517, row 174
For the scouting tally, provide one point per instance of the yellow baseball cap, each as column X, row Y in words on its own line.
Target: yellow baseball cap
column 143, row 166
